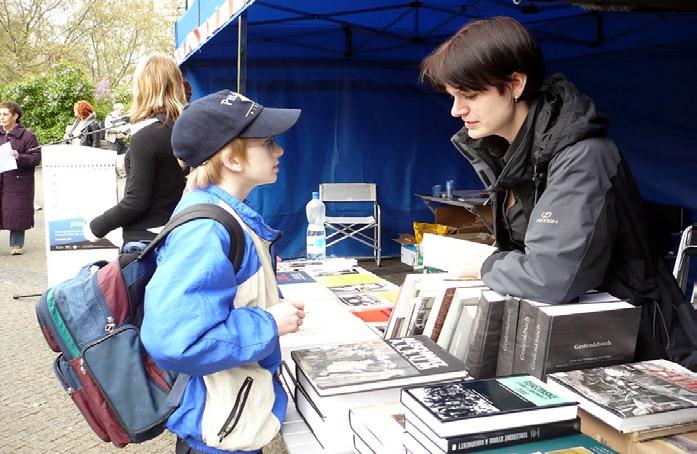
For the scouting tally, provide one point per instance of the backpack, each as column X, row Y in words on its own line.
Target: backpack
column 93, row 321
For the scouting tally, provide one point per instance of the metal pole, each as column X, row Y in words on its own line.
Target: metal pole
column 242, row 53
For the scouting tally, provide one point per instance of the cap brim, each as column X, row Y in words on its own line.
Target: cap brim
column 271, row 122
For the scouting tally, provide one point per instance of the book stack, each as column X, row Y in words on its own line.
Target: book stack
column 649, row 398
column 378, row 428
column 472, row 415
column 597, row 330
column 332, row 379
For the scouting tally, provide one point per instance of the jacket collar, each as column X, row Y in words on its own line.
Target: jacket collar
column 560, row 117
column 17, row 131
column 248, row 215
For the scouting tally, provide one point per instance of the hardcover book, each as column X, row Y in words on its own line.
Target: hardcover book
column 572, row 444
column 581, row 335
column 380, row 427
column 462, row 407
column 334, row 378
column 440, row 310
column 496, row 439
column 348, row 368
column 460, row 342
column 633, row 397
column 484, row 337
column 527, row 316
column 509, row 327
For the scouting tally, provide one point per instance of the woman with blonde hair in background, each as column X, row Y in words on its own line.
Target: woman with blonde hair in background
column 154, row 179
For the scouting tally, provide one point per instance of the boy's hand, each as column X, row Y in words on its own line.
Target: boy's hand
column 289, row 316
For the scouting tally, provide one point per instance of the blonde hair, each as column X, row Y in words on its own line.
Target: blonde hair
column 210, row 172
column 157, row 89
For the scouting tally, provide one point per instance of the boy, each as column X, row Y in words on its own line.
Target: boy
column 204, row 319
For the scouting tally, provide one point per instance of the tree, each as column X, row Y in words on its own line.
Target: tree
column 56, row 52
column 47, row 99
column 105, row 36
column 119, row 33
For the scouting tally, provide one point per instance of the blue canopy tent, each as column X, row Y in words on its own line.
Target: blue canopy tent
column 353, row 69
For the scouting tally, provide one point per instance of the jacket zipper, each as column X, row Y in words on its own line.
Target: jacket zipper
column 234, row 416
column 273, row 259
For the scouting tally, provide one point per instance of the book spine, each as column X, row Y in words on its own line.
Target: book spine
column 480, row 361
column 442, row 312
column 512, row 436
column 526, row 324
column 504, row 362
column 446, row 333
column 540, row 344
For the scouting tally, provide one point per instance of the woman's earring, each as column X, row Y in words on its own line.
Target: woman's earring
column 515, row 99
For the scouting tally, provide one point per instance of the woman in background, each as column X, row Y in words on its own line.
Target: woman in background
column 82, row 130
column 154, row 179
column 17, row 186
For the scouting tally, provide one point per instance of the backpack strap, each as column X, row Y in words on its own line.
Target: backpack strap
column 206, row 211
column 235, row 255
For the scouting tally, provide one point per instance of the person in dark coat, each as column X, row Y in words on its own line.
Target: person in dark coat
column 17, row 186
column 567, row 212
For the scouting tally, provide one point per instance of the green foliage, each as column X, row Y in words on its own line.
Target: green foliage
column 47, row 99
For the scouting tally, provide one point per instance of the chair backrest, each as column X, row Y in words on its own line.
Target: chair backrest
column 348, row 192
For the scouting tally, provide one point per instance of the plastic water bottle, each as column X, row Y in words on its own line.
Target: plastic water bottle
column 316, row 235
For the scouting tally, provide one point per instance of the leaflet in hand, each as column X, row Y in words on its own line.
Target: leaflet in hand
column 7, row 161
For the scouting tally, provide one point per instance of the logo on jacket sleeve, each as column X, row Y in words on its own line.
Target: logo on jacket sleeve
column 546, row 218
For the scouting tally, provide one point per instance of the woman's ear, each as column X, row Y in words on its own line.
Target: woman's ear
column 517, row 84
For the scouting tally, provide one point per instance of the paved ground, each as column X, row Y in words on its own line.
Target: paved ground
column 36, row 416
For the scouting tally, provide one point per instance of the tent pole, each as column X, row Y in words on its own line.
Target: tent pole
column 242, row 53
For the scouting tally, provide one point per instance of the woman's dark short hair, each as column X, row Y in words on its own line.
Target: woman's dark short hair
column 485, row 53
column 12, row 107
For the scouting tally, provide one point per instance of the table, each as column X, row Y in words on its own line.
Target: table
column 471, row 200
column 327, row 320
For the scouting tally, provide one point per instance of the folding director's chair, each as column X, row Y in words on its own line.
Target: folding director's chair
column 364, row 229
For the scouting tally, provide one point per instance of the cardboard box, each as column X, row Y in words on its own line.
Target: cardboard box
column 646, row 442
column 673, row 444
column 409, row 251
column 409, row 254
column 462, row 220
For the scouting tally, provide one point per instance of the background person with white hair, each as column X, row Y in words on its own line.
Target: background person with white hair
column 118, row 129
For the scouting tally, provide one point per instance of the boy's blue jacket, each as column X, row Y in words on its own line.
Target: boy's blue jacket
column 207, row 320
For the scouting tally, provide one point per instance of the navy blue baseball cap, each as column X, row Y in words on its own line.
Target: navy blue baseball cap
column 209, row 123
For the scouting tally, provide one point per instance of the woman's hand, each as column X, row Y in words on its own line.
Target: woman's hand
column 288, row 315
column 14, row 153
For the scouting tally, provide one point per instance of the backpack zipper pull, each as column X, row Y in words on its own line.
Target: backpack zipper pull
column 110, row 325
column 82, row 367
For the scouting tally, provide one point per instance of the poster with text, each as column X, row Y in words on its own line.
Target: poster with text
column 79, row 184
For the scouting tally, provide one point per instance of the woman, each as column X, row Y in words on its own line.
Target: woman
column 17, row 186
column 154, row 179
column 82, row 131
column 567, row 212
